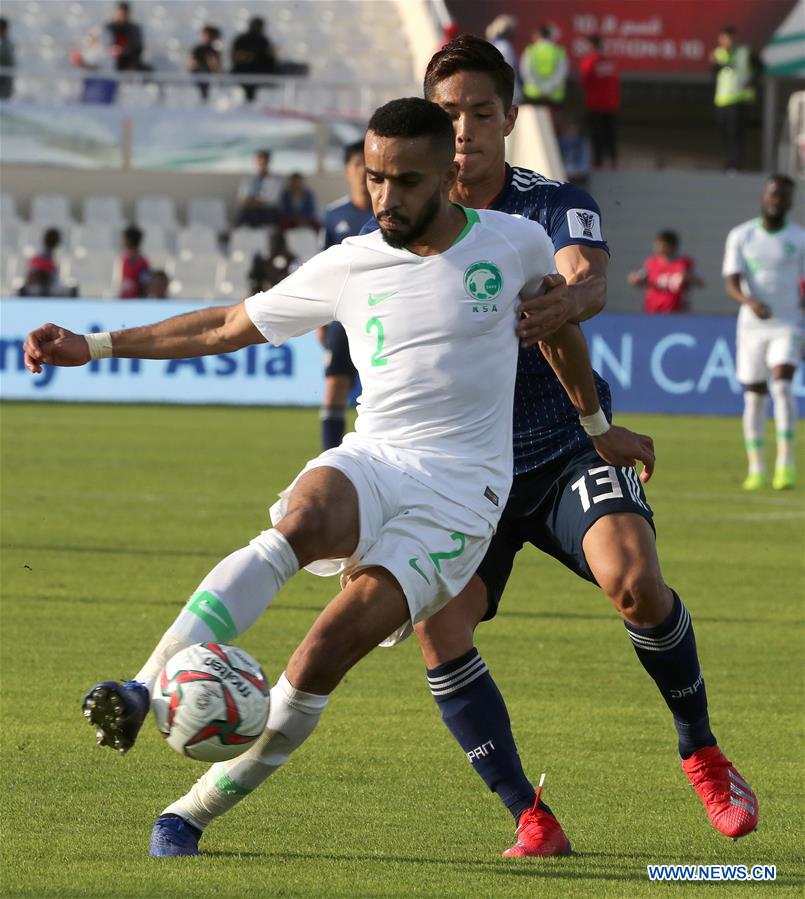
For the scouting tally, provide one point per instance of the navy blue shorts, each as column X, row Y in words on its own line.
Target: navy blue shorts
column 552, row 508
column 337, row 347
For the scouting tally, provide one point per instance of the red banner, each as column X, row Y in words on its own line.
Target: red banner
column 643, row 35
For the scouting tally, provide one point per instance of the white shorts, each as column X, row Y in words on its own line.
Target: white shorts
column 429, row 544
column 759, row 350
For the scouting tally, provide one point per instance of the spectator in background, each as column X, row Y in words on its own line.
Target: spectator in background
column 501, row 33
column 42, row 274
column 450, row 31
column 298, row 205
column 667, row 276
column 736, row 68
column 6, row 60
column 125, row 41
column 601, row 84
column 158, row 284
column 259, row 195
column 575, row 149
column 134, row 267
column 342, row 219
column 205, row 57
column 267, row 271
column 253, row 54
column 543, row 69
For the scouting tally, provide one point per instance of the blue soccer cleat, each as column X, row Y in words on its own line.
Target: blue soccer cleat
column 117, row 712
column 173, row 836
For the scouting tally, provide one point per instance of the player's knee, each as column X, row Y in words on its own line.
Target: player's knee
column 640, row 596
column 313, row 530
column 445, row 637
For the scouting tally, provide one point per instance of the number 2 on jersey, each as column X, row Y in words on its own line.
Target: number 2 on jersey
column 370, row 326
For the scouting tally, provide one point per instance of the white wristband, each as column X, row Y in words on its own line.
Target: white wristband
column 100, row 345
column 595, row 424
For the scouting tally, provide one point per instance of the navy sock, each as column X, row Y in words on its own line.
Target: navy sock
column 668, row 653
column 476, row 715
column 333, row 422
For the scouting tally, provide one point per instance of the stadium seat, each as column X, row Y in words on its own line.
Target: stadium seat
column 8, row 210
column 9, row 236
column 103, row 209
column 232, row 282
column 194, row 278
column 29, row 239
column 51, row 210
column 96, row 275
column 8, row 271
column 245, row 242
column 157, row 241
column 302, row 242
column 86, row 239
column 156, row 211
column 209, row 212
column 196, row 241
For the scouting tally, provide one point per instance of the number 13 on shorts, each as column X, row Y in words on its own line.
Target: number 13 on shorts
column 602, row 483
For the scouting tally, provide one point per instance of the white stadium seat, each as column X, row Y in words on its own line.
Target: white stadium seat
column 245, row 242
column 302, row 242
column 86, row 239
column 157, row 241
column 50, row 210
column 195, row 278
column 8, row 271
column 196, row 241
column 232, row 282
column 8, row 209
column 156, row 211
column 96, row 275
column 101, row 209
column 207, row 211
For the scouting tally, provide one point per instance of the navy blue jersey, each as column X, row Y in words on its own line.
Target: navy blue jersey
column 342, row 219
column 546, row 425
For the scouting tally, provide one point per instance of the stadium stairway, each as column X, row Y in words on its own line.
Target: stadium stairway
column 701, row 207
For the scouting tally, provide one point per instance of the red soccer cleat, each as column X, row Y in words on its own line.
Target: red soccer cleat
column 730, row 802
column 539, row 834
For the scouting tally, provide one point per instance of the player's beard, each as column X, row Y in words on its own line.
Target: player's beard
column 401, row 239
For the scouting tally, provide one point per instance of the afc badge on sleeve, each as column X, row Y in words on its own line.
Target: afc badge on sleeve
column 584, row 223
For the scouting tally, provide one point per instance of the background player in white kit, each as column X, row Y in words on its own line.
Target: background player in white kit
column 764, row 268
column 406, row 506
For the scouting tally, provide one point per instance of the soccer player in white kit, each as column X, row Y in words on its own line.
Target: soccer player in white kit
column 405, row 507
column 764, row 268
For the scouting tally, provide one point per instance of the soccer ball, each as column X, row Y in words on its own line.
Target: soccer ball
column 211, row 701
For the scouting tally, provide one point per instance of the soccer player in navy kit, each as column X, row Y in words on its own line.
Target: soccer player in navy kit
column 343, row 218
column 565, row 500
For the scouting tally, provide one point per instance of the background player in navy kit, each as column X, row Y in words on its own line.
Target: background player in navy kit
column 343, row 218
column 565, row 499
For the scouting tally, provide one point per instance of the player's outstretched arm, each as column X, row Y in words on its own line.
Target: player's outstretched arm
column 219, row 329
column 566, row 352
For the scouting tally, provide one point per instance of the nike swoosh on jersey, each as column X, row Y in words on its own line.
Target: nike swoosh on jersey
column 374, row 299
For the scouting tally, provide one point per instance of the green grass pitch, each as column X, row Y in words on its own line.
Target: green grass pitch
column 111, row 516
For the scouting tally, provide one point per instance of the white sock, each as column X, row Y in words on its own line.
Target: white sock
column 292, row 717
column 229, row 600
column 754, row 422
column 785, row 421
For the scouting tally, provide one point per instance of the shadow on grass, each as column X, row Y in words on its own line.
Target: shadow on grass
column 558, row 869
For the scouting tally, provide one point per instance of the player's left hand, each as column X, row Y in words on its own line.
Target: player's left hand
column 620, row 446
column 545, row 314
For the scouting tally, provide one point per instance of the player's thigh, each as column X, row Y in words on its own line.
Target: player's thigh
column 587, row 491
column 621, row 551
column 370, row 607
column 751, row 365
column 784, row 354
column 335, row 509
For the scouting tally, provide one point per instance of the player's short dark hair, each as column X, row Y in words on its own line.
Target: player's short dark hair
column 51, row 238
column 728, row 29
column 545, row 31
column 263, row 152
column 412, row 117
column 781, row 179
column 353, row 149
column 133, row 236
column 595, row 41
column 3, row 23
column 123, row 6
column 670, row 237
column 468, row 53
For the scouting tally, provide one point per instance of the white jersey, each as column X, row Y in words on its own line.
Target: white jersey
column 433, row 339
column 771, row 266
